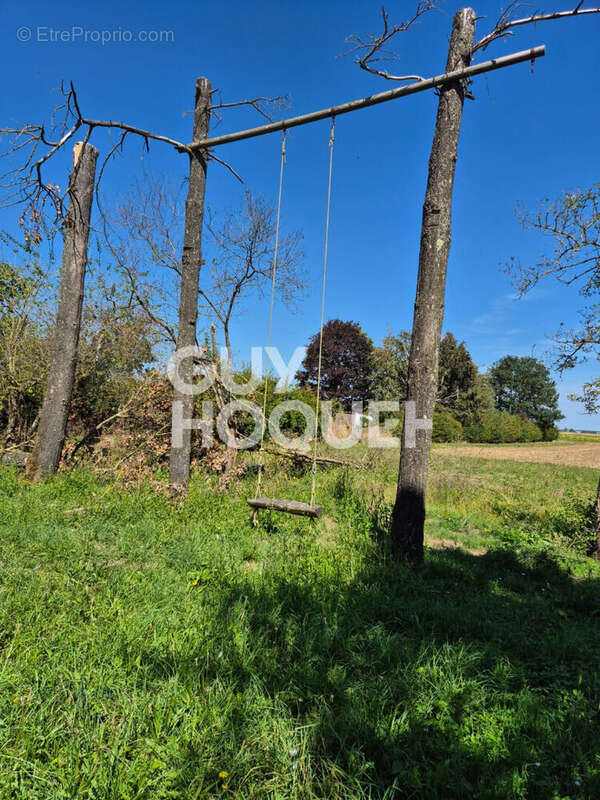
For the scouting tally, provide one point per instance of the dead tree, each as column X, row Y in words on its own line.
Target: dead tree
column 179, row 463
column 57, row 398
column 408, row 538
column 408, row 518
column 26, row 184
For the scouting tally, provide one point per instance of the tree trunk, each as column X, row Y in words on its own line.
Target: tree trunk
column 228, row 345
column 596, row 551
column 408, row 519
column 179, row 466
column 59, row 388
column 11, row 421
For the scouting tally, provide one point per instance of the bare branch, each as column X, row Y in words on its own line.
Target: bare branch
column 506, row 21
column 572, row 223
column 244, row 249
column 26, row 183
column 260, row 104
column 142, row 233
column 213, row 157
column 371, row 47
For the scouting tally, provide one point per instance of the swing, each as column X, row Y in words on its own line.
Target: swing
column 311, row 509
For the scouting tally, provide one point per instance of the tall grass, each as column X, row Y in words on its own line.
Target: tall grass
column 159, row 650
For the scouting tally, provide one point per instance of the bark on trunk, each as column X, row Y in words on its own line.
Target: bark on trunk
column 11, row 422
column 408, row 519
column 179, row 466
column 59, row 388
column 596, row 552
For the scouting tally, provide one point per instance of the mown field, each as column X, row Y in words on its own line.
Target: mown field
column 152, row 648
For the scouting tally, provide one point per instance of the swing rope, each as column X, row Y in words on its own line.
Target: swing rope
column 273, row 275
column 285, row 505
column 325, row 249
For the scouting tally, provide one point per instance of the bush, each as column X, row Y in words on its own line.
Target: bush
column 576, row 521
column 550, row 434
column 292, row 423
column 446, row 428
column 491, row 428
column 531, row 432
column 502, row 427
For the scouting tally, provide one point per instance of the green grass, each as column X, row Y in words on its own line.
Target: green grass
column 146, row 646
column 569, row 436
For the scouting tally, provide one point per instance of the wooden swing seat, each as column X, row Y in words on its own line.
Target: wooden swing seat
column 286, row 506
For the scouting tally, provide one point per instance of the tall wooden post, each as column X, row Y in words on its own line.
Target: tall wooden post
column 57, row 397
column 191, row 260
column 408, row 519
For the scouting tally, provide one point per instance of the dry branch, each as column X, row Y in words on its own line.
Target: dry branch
column 260, row 104
column 26, row 183
column 296, row 454
column 372, row 47
column 506, row 23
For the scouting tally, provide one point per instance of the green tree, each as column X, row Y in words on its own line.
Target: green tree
column 460, row 388
column 522, row 385
column 23, row 349
column 485, row 395
column 114, row 347
column 389, row 367
column 462, row 391
column 446, row 428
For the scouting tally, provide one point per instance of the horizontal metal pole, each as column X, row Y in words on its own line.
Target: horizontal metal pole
column 375, row 99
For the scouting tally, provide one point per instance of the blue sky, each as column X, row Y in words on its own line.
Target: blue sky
column 526, row 137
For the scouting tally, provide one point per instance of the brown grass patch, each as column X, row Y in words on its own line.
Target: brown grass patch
column 581, row 454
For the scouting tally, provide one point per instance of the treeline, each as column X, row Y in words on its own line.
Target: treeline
column 515, row 401
column 494, row 427
column 119, row 386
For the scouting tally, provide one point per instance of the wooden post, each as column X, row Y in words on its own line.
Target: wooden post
column 191, row 260
column 57, row 397
column 408, row 519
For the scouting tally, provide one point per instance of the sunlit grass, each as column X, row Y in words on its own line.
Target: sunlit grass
column 569, row 436
column 150, row 646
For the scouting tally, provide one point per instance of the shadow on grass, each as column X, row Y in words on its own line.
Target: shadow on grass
column 473, row 676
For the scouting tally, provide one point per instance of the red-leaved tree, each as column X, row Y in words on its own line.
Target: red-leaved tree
column 345, row 363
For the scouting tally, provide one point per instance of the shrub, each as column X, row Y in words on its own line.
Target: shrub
column 502, row 427
column 474, row 432
column 292, row 423
column 531, row 432
column 576, row 521
column 494, row 428
column 550, row 433
column 446, row 428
